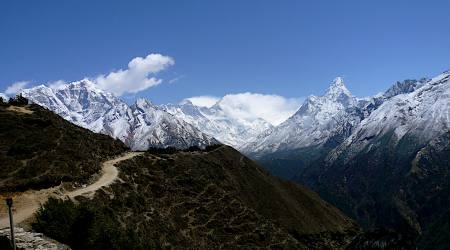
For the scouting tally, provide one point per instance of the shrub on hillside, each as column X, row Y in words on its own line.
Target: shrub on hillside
column 84, row 227
column 19, row 100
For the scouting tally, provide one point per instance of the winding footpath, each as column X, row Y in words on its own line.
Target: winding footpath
column 27, row 203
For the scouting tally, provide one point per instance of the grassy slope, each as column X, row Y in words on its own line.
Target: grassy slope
column 215, row 199
column 39, row 149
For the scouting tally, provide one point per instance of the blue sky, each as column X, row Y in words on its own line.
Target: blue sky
column 287, row 48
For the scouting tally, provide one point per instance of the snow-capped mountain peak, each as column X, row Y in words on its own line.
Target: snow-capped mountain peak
column 140, row 126
column 144, row 104
column 319, row 118
column 338, row 92
column 337, row 87
column 217, row 122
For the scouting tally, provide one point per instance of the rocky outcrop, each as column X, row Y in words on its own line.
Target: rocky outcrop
column 30, row 240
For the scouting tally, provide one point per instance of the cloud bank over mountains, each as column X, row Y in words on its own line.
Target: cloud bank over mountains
column 248, row 106
column 16, row 87
column 202, row 101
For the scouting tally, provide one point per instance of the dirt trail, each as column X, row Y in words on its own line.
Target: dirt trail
column 27, row 203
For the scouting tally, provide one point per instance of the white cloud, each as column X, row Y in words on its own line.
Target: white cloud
column 176, row 79
column 249, row 106
column 203, row 101
column 4, row 97
column 57, row 84
column 16, row 87
column 137, row 77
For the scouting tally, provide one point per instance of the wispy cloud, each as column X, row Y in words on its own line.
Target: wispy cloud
column 16, row 87
column 175, row 79
column 57, row 84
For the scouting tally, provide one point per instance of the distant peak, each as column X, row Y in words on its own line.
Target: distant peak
column 143, row 103
column 186, row 102
column 84, row 83
column 338, row 81
column 40, row 86
column 338, row 87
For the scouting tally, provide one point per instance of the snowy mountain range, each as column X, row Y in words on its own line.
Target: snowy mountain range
column 317, row 120
column 327, row 120
column 144, row 124
column 216, row 122
column 140, row 126
column 421, row 110
column 322, row 121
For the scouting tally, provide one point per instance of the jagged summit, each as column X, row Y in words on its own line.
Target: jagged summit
column 403, row 87
column 218, row 123
column 337, row 91
column 337, row 84
column 318, row 119
column 140, row 126
column 143, row 103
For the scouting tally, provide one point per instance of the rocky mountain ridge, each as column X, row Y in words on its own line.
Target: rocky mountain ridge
column 140, row 126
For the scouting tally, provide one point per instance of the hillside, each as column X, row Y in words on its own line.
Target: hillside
column 39, row 149
column 214, row 198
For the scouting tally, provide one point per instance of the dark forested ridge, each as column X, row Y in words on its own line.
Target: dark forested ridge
column 39, row 149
